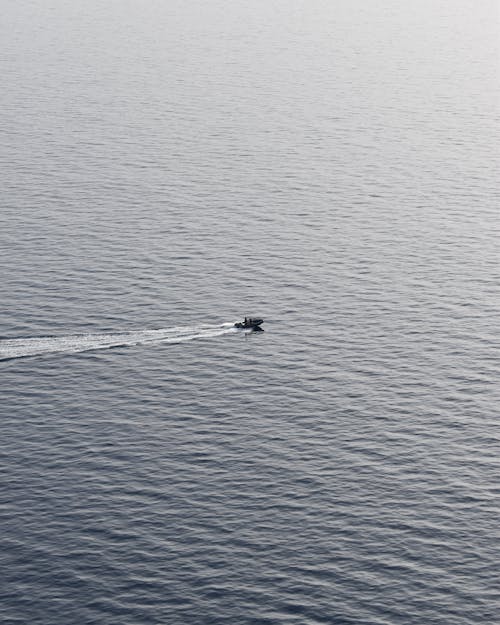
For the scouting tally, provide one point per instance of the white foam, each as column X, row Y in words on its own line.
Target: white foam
column 22, row 347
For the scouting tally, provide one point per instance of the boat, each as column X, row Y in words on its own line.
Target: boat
column 250, row 324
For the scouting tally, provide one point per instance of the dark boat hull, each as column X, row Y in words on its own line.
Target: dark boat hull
column 251, row 324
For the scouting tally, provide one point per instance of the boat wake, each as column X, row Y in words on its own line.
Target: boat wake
column 71, row 344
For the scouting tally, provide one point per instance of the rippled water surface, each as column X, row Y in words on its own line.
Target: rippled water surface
column 168, row 167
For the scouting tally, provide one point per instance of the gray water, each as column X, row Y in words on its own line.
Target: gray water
column 168, row 167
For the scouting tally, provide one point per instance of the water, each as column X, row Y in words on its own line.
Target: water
column 21, row 348
column 170, row 167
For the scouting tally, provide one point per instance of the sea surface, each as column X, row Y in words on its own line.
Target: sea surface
column 168, row 167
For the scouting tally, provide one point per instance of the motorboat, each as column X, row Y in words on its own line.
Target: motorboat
column 250, row 324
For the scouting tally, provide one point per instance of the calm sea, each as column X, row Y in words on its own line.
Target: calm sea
column 170, row 166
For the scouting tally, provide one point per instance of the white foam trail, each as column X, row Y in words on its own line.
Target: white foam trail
column 20, row 348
